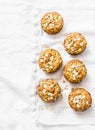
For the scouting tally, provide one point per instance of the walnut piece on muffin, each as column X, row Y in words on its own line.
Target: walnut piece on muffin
column 74, row 71
column 49, row 90
column 79, row 99
column 50, row 60
column 52, row 22
column 75, row 43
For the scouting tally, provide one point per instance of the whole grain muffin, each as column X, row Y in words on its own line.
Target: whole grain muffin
column 49, row 90
column 75, row 71
column 50, row 60
column 80, row 99
column 52, row 22
column 75, row 43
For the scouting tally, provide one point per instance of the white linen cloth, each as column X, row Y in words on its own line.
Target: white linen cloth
column 21, row 41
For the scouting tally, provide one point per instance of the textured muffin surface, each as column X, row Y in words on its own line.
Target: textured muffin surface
column 80, row 99
column 50, row 60
column 49, row 90
column 75, row 71
column 52, row 22
column 75, row 43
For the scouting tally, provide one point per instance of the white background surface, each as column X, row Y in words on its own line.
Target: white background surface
column 17, row 109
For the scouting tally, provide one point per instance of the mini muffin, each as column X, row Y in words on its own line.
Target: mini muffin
column 52, row 22
column 80, row 99
column 49, row 90
column 75, row 71
column 50, row 60
column 75, row 43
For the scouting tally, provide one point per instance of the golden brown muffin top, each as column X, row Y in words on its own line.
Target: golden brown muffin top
column 75, row 43
column 49, row 90
column 75, row 71
column 50, row 60
column 52, row 22
column 80, row 99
